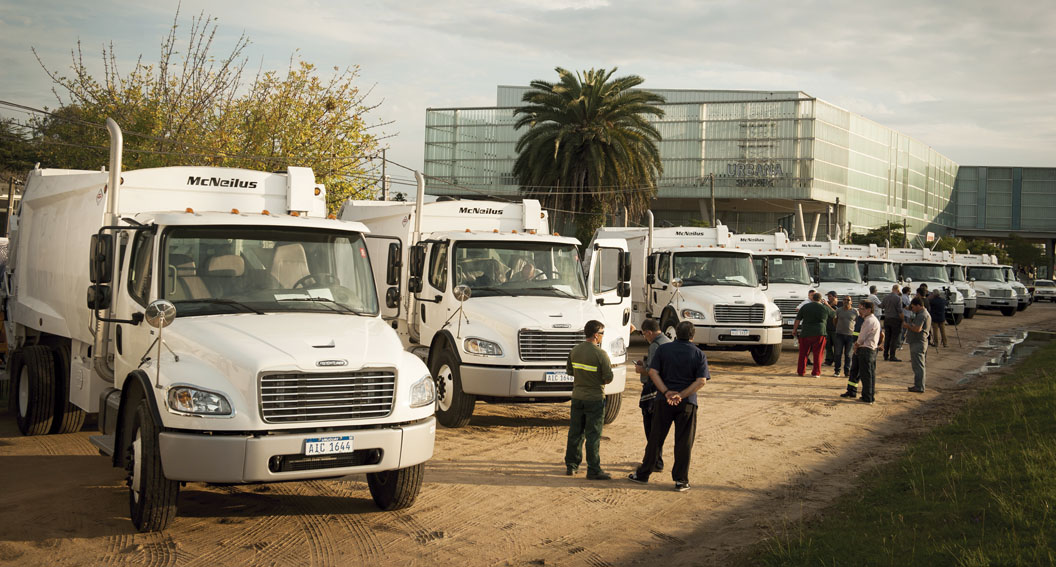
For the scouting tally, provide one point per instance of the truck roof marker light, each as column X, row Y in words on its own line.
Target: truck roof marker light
column 495, row 230
column 189, row 210
column 514, row 231
column 234, row 211
column 467, row 230
column 557, row 233
column 265, row 212
column 295, row 213
column 317, row 191
column 331, row 216
column 531, row 231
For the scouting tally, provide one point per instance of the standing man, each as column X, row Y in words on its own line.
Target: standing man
column 814, row 317
column 678, row 370
column 591, row 369
column 651, row 332
column 917, row 331
column 845, row 317
column 830, row 327
column 907, row 314
column 873, row 298
column 892, row 311
column 865, row 350
column 937, row 310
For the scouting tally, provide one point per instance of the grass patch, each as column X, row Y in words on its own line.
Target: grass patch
column 978, row 491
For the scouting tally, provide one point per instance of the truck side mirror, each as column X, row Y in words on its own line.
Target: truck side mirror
column 414, row 284
column 392, row 297
column 99, row 296
column 101, row 258
column 650, row 268
column 392, row 269
column 625, row 267
column 623, row 289
column 417, row 261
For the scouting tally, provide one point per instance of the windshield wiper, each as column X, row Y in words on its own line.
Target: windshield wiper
column 219, row 301
column 330, row 303
column 562, row 292
column 491, row 288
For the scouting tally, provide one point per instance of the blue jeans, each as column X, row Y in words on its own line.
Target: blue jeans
column 842, row 352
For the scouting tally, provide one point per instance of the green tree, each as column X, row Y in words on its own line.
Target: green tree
column 881, row 235
column 590, row 149
column 986, row 247
column 1023, row 253
column 197, row 108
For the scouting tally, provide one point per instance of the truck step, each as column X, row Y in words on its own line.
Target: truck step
column 105, row 443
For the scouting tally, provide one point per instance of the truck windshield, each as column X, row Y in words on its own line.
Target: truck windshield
column 519, row 268
column 833, row 270
column 784, row 269
column 715, row 268
column 956, row 273
column 925, row 272
column 234, row 269
column 986, row 274
column 878, row 271
column 1010, row 276
column 1044, row 283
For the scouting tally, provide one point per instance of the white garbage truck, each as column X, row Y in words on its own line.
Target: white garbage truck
column 696, row 274
column 875, row 270
column 788, row 277
column 922, row 266
column 1023, row 298
column 957, row 272
column 494, row 302
column 832, row 270
column 992, row 290
column 224, row 330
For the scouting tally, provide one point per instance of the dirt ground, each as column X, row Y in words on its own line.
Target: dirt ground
column 771, row 447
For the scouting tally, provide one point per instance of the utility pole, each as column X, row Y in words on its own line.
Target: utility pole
column 714, row 214
column 384, row 180
column 905, row 233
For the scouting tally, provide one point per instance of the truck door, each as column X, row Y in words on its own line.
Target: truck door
column 380, row 250
column 433, row 304
column 136, row 290
column 609, row 274
column 660, row 290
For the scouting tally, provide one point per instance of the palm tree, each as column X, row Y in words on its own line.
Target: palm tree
column 590, row 147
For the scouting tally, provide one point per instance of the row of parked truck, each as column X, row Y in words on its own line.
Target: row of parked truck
column 225, row 329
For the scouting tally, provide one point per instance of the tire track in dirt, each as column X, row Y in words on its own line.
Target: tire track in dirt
column 267, row 525
column 314, row 518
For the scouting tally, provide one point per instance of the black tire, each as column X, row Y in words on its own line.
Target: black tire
column 766, row 355
column 1022, row 306
column 395, row 490
column 1008, row 311
column 958, row 318
column 969, row 313
column 152, row 504
column 453, row 406
column 668, row 324
column 14, row 365
column 612, row 407
column 33, row 389
column 68, row 417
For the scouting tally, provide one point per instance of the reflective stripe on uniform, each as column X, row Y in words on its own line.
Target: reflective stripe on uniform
column 582, row 366
column 849, row 383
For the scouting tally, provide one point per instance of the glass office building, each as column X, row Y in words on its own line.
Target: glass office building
column 765, row 153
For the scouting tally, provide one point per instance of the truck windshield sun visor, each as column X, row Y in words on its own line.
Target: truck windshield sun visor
column 216, row 269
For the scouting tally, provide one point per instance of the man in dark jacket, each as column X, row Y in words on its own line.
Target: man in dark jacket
column 591, row 369
column 937, row 310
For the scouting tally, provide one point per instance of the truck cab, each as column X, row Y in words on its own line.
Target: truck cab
column 992, row 290
column 1023, row 298
column 874, row 269
column 494, row 302
column 923, row 266
column 231, row 333
column 786, row 273
column 831, row 270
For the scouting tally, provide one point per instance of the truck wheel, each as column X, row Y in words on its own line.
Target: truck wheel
column 395, row 490
column 1008, row 311
column 453, row 406
column 151, row 496
column 668, row 324
column 766, row 355
column 612, row 407
column 1022, row 306
column 969, row 313
column 34, row 390
column 68, row 417
column 958, row 318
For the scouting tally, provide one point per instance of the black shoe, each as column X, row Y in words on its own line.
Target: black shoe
column 893, row 359
column 600, row 476
column 885, row 357
column 633, row 477
column 865, row 401
column 571, row 471
column 915, row 390
column 681, row 486
column 837, row 372
column 658, row 467
column 848, row 395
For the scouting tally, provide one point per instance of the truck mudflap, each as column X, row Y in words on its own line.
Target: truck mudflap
column 197, row 457
column 544, row 382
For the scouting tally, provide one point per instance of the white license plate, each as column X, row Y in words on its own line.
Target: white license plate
column 328, row 445
column 558, row 377
column 1000, row 302
column 739, row 332
column 790, row 321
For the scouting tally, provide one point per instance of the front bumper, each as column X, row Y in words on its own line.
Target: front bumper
column 787, row 323
column 196, row 457
column 997, row 302
column 1046, row 295
column 505, row 382
column 733, row 335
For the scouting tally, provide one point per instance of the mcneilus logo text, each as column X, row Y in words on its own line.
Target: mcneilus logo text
column 217, row 182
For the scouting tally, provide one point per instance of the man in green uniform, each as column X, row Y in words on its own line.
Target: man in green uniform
column 591, row 369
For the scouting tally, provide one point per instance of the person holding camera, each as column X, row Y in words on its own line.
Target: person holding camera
column 651, row 332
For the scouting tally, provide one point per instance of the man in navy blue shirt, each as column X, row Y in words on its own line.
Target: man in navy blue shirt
column 678, row 369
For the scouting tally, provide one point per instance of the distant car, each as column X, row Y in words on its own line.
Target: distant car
column 1044, row 290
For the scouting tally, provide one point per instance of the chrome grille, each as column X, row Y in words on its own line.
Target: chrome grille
column 788, row 306
column 740, row 313
column 1000, row 293
column 286, row 398
column 547, row 345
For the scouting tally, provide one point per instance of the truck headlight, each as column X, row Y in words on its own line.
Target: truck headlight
column 618, row 347
column 693, row 314
column 423, row 392
column 186, row 399
column 481, row 347
column 776, row 314
column 980, row 292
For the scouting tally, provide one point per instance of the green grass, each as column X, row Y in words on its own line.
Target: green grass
column 978, row 491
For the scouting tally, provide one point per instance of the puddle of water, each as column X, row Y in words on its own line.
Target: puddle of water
column 1005, row 348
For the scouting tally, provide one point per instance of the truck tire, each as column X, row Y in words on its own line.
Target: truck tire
column 395, row 490
column 1022, row 306
column 612, row 407
column 766, row 355
column 34, row 389
column 969, row 313
column 1008, row 311
column 151, row 496
column 453, row 406
column 957, row 318
column 668, row 324
column 68, row 417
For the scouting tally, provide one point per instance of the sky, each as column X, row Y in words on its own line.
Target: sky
column 975, row 80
